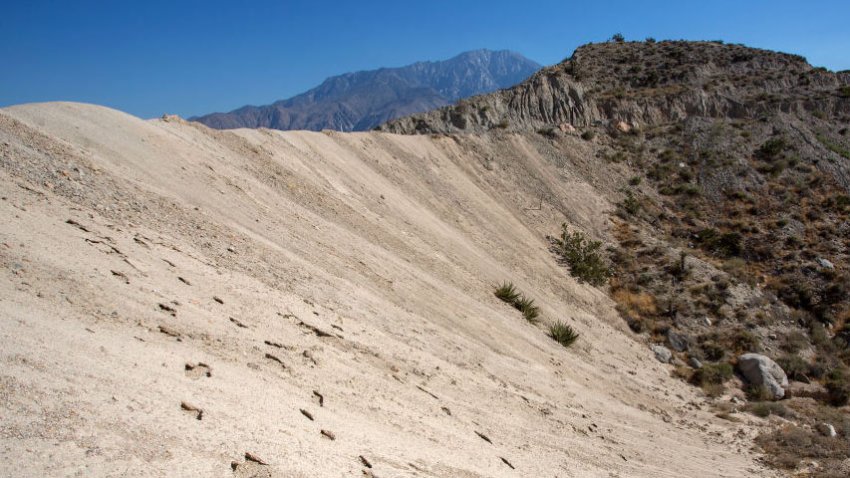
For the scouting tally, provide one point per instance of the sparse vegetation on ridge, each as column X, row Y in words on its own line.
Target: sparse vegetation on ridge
column 731, row 225
column 506, row 292
column 583, row 256
column 563, row 333
column 712, row 376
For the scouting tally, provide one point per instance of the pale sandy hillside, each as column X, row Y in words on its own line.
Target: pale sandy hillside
column 358, row 267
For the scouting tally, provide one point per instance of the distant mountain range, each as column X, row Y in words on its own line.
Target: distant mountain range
column 362, row 100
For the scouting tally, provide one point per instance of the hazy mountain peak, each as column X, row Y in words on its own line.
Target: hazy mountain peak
column 364, row 99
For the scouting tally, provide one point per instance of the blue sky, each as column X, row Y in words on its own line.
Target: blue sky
column 192, row 57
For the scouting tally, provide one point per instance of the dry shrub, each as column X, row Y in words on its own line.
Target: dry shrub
column 641, row 304
column 765, row 409
column 789, row 445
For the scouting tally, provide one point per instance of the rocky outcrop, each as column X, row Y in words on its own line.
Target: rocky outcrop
column 641, row 84
column 761, row 371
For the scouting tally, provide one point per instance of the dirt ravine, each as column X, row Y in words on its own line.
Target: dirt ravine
column 180, row 301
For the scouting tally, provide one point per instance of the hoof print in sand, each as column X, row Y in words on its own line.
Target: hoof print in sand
column 167, row 308
column 188, row 407
column 170, row 332
column 121, row 276
column 198, row 370
column 275, row 359
column 252, row 467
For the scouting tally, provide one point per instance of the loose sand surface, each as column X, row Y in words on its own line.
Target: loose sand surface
column 174, row 298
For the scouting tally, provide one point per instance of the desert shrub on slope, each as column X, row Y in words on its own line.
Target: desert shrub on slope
column 508, row 293
column 583, row 257
column 563, row 333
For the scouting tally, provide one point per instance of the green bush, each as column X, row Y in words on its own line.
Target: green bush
column 618, row 37
column 583, row 257
column 765, row 409
column 793, row 342
column 711, row 349
column 631, row 205
column 530, row 312
column 712, row 374
column 758, row 393
column 795, row 367
column 549, row 132
column 722, row 245
column 838, row 387
column 844, row 91
column 588, row 135
column 771, row 148
column 563, row 333
column 834, row 147
column 507, row 293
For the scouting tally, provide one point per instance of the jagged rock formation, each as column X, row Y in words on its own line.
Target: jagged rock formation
column 362, row 100
column 645, row 84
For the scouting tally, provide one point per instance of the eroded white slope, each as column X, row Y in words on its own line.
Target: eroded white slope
column 388, row 246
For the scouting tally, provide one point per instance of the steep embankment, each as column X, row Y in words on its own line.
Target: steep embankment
column 730, row 167
column 347, row 277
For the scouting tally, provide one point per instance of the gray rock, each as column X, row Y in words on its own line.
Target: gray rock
column 662, row 353
column 678, row 342
column 825, row 263
column 759, row 371
column 694, row 362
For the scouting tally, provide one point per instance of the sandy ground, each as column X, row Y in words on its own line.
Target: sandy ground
column 358, row 268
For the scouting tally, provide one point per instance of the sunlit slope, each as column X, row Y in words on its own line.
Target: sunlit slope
column 355, row 267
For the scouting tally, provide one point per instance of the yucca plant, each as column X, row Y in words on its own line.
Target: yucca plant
column 562, row 333
column 528, row 309
column 507, row 293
